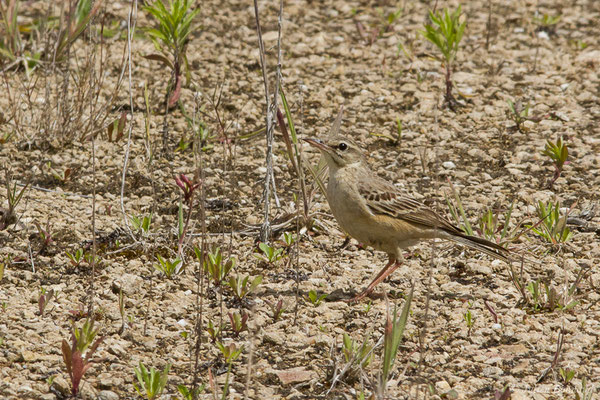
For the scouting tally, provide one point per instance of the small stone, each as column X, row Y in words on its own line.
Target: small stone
column 448, row 165
column 107, row 395
column 293, row 375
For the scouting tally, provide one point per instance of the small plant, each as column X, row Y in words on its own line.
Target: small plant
column 167, row 267
column 268, row 253
column 552, row 225
column 141, row 224
column 359, row 355
column 76, row 258
column 44, row 299
column 544, row 297
column 277, row 309
column 518, row 112
column 566, row 374
column 61, row 176
column 446, row 32
column 188, row 188
column 230, row 353
column 170, row 39
column 82, row 341
column 239, row 323
column 45, row 235
column 190, row 394
column 394, row 330
column 214, row 331
column 288, row 239
column 558, row 153
column 586, row 393
column 469, row 320
column 76, row 22
column 214, row 265
column 314, row 298
column 492, row 229
column 151, row 383
column 546, row 22
column 242, row 287
column 117, row 127
column 122, row 311
column 13, row 198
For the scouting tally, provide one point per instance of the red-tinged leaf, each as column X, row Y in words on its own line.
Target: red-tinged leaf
column 78, row 370
column 67, row 356
column 160, row 58
column 121, row 127
column 176, row 93
column 93, row 348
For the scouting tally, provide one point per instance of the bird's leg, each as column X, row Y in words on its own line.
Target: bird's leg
column 390, row 267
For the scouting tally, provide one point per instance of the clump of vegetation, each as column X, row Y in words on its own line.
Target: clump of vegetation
column 446, row 32
column 151, row 382
column 558, row 153
column 82, row 341
column 552, row 225
column 314, row 298
column 170, row 39
column 518, row 112
column 169, row 268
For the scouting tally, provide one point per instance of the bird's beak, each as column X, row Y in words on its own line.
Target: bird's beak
column 318, row 144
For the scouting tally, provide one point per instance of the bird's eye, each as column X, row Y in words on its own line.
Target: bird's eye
column 342, row 146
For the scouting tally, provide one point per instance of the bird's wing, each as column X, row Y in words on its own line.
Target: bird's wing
column 383, row 198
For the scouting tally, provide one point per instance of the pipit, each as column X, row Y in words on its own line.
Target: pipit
column 374, row 212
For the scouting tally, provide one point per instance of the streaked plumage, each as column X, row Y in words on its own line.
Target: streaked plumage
column 376, row 213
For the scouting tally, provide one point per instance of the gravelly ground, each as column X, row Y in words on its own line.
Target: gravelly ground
column 326, row 64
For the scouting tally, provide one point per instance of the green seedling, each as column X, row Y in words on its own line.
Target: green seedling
column 558, row 153
column 76, row 258
column 469, row 320
column 230, row 352
column 167, row 267
column 214, row 265
column 239, row 323
column 44, row 299
column 546, row 22
column 358, row 355
column 45, row 235
column 200, row 132
column 446, row 32
column 518, row 112
column 566, row 374
column 552, row 225
column 151, row 382
column 13, row 198
column 3, row 263
column 545, row 297
column 214, row 331
column 277, row 309
column 60, row 175
column 393, row 333
column 83, row 340
column 314, row 298
column 77, row 20
column 492, row 229
column 170, row 39
column 190, row 394
column 242, row 287
column 141, row 224
column 117, row 127
column 288, row 239
column 586, row 393
column 268, row 253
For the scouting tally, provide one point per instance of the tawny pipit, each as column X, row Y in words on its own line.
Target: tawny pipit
column 374, row 212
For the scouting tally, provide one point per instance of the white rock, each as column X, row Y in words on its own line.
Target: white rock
column 448, row 165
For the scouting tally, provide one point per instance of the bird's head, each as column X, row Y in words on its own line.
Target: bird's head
column 339, row 151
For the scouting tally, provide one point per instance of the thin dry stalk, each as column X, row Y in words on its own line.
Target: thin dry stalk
column 265, row 231
column 131, row 22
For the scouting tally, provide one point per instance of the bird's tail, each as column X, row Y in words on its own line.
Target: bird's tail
column 490, row 248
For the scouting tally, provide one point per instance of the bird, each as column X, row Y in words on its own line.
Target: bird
column 376, row 213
